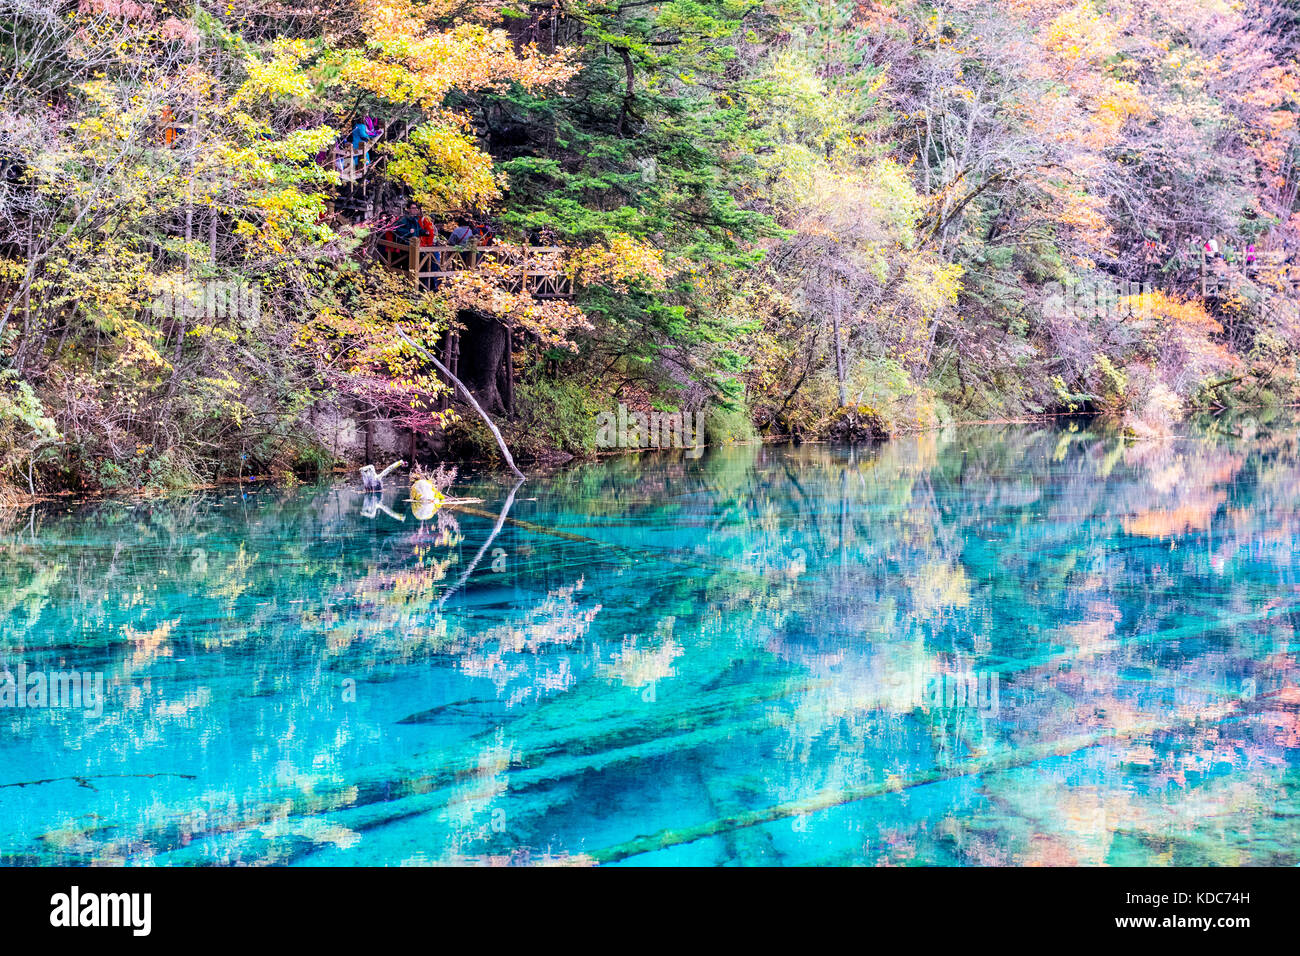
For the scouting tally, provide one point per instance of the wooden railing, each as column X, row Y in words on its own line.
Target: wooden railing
column 535, row 269
column 350, row 162
column 1217, row 274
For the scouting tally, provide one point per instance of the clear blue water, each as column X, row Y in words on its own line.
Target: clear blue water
column 992, row 645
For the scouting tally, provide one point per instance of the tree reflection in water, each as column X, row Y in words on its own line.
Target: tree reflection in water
column 983, row 645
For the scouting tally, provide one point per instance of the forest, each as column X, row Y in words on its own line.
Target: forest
column 256, row 239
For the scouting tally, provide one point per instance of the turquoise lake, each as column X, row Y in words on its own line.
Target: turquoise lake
column 985, row 645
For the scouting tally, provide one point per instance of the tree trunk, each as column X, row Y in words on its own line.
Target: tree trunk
column 510, row 370
column 485, row 342
column 469, row 397
column 836, row 295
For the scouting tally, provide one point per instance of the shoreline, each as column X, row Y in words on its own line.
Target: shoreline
column 15, row 501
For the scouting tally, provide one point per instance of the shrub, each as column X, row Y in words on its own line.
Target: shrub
column 553, row 416
column 25, row 429
column 725, row 425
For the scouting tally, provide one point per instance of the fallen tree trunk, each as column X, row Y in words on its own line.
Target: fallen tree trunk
column 505, row 452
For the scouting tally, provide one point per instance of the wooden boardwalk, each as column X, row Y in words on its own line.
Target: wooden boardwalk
column 535, row 269
column 1270, row 268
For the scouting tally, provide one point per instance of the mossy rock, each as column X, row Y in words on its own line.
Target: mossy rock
column 855, row 425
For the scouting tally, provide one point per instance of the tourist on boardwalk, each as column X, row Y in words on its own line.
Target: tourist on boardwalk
column 459, row 235
column 364, row 133
column 414, row 224
column 171, row 133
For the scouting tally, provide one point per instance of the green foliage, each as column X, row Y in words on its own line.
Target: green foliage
column 1113, row 383
column 1070, row 401
column 25, row 428
column 728, row 425
column 555, row 415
